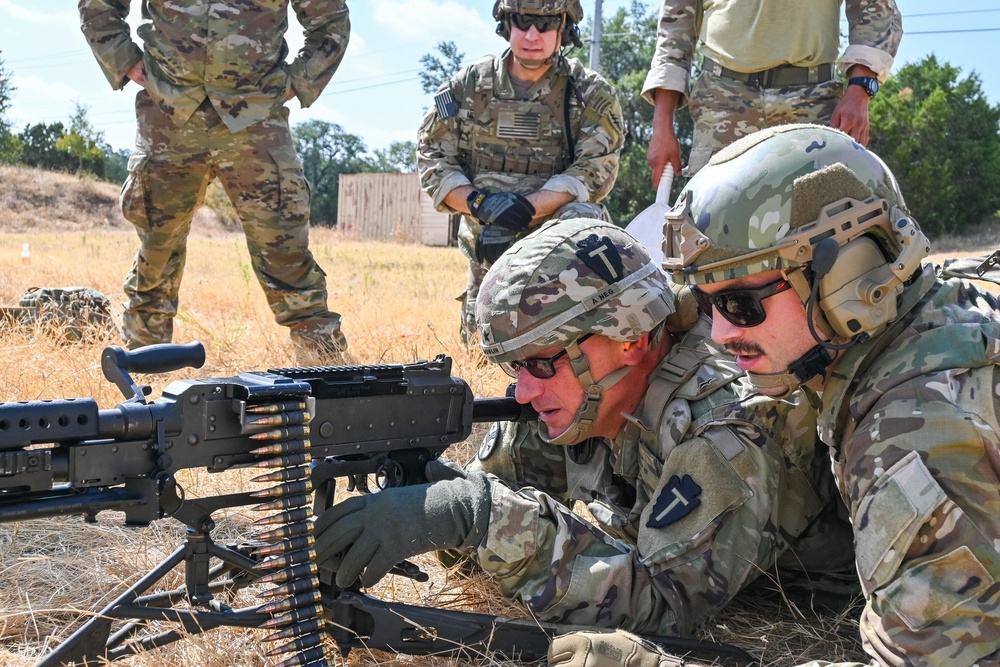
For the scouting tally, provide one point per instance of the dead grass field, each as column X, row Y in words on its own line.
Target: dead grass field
column 398, row 306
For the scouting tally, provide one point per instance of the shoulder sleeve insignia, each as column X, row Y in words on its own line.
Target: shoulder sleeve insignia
column 678, row 498
column 446, row 104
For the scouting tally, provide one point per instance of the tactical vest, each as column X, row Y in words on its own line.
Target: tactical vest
column 526, row 137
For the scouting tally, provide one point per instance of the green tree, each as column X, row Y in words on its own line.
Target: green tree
column 399, row 156
column 438, row 70
column 327, row 151
column 10, row 145
column 115, row 163
column 627, row 45
column 39, row 147
column 941, row 138
column 83, row 142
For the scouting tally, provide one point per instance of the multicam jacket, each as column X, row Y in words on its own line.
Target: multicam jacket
column 492, row 140
column 874, row 27
column 703, row 489
column 913, row 417
column 231, row 52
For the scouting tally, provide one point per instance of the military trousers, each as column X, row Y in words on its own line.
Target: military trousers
column 725, row 110
column 467, row 233
column 258, row 168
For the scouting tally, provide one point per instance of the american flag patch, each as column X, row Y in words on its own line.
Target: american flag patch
column 446, row 104
column 518, row 125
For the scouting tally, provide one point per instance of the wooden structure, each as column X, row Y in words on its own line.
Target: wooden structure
column 389, row 207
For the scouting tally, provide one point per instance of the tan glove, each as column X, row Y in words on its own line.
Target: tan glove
column 605, row 649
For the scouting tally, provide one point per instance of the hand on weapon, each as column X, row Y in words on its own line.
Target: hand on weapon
column 381, row 529
column 506, row 209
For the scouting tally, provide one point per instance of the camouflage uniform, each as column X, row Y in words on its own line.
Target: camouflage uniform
column 213, row 107
column 744, row 475
column 910, row 408
column 476, row 147
column 701, row 489
column 725, row 109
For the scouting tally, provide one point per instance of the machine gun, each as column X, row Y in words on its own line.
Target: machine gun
column 374, row 426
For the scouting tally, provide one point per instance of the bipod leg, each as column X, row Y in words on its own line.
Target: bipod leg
column 90, row 641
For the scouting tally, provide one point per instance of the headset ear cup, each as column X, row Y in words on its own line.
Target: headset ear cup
column 503, row 30
column 571, row 35
column 858, row 294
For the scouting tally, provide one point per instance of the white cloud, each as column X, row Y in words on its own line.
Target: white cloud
column 429, row 20
column 24, row 12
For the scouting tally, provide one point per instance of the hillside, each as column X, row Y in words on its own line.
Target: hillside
column 35, row 199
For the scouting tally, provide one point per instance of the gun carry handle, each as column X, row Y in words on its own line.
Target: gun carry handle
column 116, row 363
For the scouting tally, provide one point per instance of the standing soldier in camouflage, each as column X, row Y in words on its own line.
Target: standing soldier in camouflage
column 698, row 488
column 765, row 63
column 520, row 138
column 825, row 287
column 214, row 81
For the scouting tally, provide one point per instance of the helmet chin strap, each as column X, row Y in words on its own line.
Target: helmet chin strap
column 781, row 385
column 581, row 426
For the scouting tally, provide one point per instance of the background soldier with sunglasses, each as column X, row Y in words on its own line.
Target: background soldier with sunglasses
column 906, row 362
column 696, row 485
column 520, row 138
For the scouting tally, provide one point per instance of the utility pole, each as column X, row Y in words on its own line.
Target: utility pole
column 595, row 41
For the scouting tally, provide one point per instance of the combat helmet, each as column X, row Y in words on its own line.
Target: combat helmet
column 572, row 10
column 568, row 279
column 809, row 201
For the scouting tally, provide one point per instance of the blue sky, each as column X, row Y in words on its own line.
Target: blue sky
column 376, row 93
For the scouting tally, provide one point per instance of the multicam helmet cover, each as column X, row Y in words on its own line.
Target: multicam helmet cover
column 569, row 278
column 763, row 202
column 572, row 8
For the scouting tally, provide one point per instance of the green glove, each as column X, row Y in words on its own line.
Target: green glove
column 375, row 531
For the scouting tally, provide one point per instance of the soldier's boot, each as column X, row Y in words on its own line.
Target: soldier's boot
column 141, row 329
column 319, row 343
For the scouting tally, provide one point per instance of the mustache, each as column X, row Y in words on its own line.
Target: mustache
column 743, row 347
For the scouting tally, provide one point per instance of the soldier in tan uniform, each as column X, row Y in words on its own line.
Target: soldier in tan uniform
column 800, row 242
column 765, row 63
column 520, row 138
column 696, row 484
column 214, row 81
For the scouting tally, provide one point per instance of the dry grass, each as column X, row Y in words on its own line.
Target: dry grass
column 398, row 306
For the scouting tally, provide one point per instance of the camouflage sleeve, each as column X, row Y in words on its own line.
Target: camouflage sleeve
column 713, row 524
column 437, row 149
column 676, row 37
column 598, row 143
column 875, row 28
column 103, row 24
column 327, row 28
column 921, row 474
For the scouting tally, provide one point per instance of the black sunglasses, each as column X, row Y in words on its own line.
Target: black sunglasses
column 542, row 23
column 741, row 307
column 540, row 367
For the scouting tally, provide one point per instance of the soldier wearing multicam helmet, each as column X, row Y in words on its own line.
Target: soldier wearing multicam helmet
column 520, row 138
column 801, row 242
column 699, row 487
column 214, row 83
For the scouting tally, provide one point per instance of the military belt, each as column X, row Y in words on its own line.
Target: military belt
column 776, row 77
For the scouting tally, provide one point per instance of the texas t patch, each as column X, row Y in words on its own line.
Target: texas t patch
column 678, row 498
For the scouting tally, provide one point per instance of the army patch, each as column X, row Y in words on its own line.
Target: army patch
column 601, row 256
column 518, row 125
column 445, row 104
column 677, row 499
column 489, row 442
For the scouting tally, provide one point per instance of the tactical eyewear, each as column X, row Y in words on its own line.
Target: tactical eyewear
column 741, row 307
column 540, row 367
column 524, row 22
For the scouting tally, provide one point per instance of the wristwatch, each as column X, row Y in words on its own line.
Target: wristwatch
column 868, row 83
